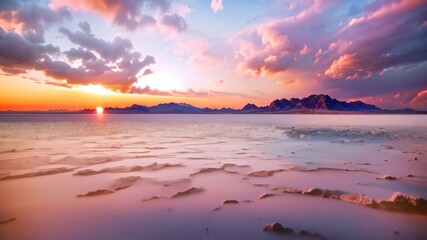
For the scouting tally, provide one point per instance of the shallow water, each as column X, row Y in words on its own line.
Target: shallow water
column 41, row 157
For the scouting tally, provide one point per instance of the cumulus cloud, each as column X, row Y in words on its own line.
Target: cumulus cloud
column 113, row 64
column 412, row 98
column 31, row 19
column 347, row 66
column 388, row 34
column 381, row 89
column 117, row 65
column 75, row 54
column 174, row 23
column 85, row 27
column 131, row 14
column 216, row 5
column 277, row 45
column 365, row 45
column 354, row 54
column 420, row 100
column 111, row 51
column 18, row 54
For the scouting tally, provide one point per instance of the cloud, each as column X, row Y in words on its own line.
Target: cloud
column 9, row 5
column 85, row 27
column 200, row 51
column 131, row 14
column 190, row 92
column 347, row 66
column 174, row 23
column 113, row 64
column 388, row 34
column 381, row 89
column 233, row 94
column 111, row 51
column 275, row 46
column 405, row 98
column 216, row 5
column 75, row 54
column 18, row 54
column 349, row 49
column 117, row 65
column 31, row 20
column 147, row 90
column 420, row 100
column 147, row 72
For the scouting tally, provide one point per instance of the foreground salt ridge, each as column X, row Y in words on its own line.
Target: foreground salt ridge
column 125, row 182
column 38, row 173
column 199, row 171
column 123, row 169
column 276, row 227
column 398, row 202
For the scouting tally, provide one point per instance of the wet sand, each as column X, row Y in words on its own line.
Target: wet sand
column 216, row 179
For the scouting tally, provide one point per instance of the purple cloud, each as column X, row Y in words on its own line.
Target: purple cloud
column 32, row 20
column 174, row 22
column 113, row 64
column 131, row 14
column 351, row 55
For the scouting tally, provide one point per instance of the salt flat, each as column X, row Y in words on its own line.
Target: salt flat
column 167, row 176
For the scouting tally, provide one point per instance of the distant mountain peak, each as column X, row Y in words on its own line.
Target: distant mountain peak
column 249, row 107
column 315, row 103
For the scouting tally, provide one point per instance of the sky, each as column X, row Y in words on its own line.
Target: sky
column 75, row 54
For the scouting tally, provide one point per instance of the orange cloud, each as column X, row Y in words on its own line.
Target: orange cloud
column 127, row 13
column 420, row 100
column 346, row 67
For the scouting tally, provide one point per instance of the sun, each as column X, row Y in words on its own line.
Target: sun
column 99, row 110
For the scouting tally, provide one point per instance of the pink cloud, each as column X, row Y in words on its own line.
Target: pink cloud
column 190, row 92
column 132, row 14
column 147, row 90
column 346, row 66
column 113, row 64
column 200, row 51
column 413, row 98
column 279, row 44
column 420, row 100
column 385, row 10
column 377, row 40
column 304, row 50
column 216, row 5
column 31, row 21
column 173, row 23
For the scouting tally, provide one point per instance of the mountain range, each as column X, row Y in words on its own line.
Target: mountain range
column 312, row 104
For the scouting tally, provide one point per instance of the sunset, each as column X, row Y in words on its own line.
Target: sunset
column 203, row 53
column 213, row 119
